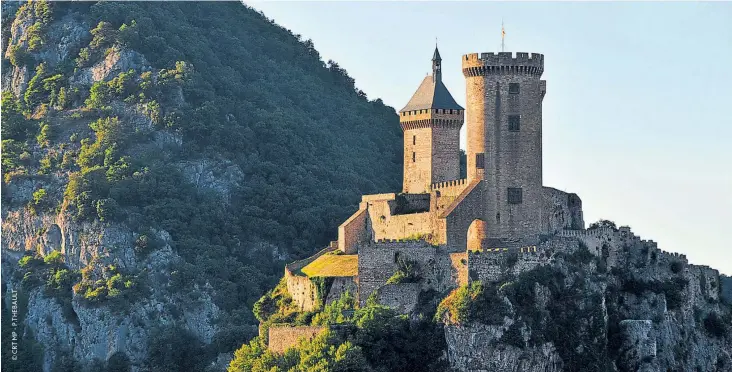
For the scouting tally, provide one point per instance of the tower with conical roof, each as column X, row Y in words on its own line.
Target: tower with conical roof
column 431, row 122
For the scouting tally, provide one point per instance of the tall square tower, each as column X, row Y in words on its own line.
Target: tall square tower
column 431, row 122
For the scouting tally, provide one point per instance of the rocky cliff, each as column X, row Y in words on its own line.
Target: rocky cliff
column 603, row 300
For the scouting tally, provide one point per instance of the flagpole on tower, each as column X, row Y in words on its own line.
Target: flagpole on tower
column 503, row 36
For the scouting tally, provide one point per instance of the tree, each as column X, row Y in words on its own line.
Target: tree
column 603, row 224
column 54, row 259
column 103, row 35
column 175, row 349
column 45, row 135
column 14, row 124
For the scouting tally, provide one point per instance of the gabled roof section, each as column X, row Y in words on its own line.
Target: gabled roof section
column 431, row 94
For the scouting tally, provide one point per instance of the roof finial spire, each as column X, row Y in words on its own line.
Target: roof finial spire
column 436, row 65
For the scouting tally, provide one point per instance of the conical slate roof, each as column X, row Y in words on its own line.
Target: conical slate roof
column 436, row 55
column 431, row 94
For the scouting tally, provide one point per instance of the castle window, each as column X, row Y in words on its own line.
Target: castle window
column 515, row 195
column 514, row 123
column 414, row 140
column 513, row 88
column 414, row 157
column 480, row 161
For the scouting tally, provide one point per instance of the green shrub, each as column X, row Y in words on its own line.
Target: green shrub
column 456, row 307
column 334, row 313
column 18, row 55
column 30, row 262
column 45, row 135
column 676, row 267
column 104, row 35
column 602, row 224
column 407, row 271
column 107, row 210
column 35, row 93
column 513, row 336
column 715, row 326
column 55, row 258
column 41, row 201
column 14, row 124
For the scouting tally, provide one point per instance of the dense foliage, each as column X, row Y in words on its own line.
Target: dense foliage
column 238, row 90
column 372, row 338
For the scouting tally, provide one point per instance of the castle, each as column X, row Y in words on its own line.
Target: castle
column 440, row 223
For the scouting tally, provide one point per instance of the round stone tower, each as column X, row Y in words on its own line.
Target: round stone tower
column 504, row 104
column 431, row 123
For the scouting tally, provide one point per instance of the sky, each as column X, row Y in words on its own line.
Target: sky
column 638, row 111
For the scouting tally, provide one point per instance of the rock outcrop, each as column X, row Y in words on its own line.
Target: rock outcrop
column 610, row 301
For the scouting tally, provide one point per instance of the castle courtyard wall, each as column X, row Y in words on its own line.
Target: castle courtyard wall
column 401, row 297
column 353, row 232
column 377, row 262
column 303, row 291
column 384, row 225
column 445, row 193
column 458, row 217
column 497, row 264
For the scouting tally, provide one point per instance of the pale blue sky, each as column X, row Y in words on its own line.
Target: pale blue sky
column 638, row 110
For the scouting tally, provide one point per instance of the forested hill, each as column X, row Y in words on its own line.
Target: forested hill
column 187, row 149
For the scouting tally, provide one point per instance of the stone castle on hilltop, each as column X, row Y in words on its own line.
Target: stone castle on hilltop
column 409, row 250
column 441, row 223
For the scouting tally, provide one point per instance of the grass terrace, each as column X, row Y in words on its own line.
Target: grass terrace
column 332, row 265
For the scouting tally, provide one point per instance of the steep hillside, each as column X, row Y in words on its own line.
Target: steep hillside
column 160, row 163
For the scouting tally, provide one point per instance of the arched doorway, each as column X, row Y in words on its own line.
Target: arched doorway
column 476, row 234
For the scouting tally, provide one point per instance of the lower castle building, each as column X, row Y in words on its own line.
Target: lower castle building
column 440, row 223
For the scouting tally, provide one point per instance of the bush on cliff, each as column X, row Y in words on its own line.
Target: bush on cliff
column 326, row 352
column 474, row 302
column 375, row 338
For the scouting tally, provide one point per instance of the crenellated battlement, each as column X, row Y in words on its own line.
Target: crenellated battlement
column 453, row 183
column 589, row 232
column 475, row 64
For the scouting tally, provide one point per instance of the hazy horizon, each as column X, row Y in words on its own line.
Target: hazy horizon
column 635, row 115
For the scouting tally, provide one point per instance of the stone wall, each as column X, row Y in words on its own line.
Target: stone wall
column 459, row 263
column 445, row 193
column 466, row 208
column 354, row 231
column 561, row 211
column 500, row 263
column 385, row 225
column 303, row 291
column 401, row 297
column 283, row 337
column 377, row 263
